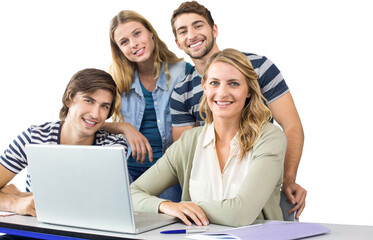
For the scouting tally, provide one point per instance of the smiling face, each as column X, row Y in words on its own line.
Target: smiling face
column 226, row 91
column 194, row 35
column 87, row 113
column 135, row 41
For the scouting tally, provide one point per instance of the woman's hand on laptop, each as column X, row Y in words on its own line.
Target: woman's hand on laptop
column 185, row 211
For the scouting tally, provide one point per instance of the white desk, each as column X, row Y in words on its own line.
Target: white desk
column 24, row 223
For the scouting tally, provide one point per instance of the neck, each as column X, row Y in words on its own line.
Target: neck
column 146, row 75
column 225, row 130
column 145, row 68
column 200, row 63
column 70, row 137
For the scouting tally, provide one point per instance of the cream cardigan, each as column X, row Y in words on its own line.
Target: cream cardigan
column 258, row 197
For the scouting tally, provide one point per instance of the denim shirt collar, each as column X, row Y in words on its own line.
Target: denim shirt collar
column 161, row 82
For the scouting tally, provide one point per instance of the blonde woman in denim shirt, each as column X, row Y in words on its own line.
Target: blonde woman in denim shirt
column 145, row 72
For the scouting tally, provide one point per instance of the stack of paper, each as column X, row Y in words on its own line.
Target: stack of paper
column 275, row 230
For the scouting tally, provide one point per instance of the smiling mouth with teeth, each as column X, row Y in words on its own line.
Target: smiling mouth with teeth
column 223, row 103
column 89, row 122
column 139, row 51
column 195, row 44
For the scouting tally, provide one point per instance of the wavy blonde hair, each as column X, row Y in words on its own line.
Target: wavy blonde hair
column 255, row 113
column 122, row 69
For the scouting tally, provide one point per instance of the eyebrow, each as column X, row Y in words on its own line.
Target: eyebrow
column 193, row 23
column 94, row 100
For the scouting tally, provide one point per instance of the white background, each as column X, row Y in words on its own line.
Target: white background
column 323, row 48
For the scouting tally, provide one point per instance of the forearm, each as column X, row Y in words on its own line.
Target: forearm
column 151, row 184
column 295, row 141
column 114, row 127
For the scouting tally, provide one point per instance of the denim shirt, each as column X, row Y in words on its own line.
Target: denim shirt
column 133, row 105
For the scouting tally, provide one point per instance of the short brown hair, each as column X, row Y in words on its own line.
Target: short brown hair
column 192, row 7
column 88, row 80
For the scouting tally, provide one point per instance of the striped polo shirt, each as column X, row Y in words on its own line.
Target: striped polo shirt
column 187, row 94
column 15, row 159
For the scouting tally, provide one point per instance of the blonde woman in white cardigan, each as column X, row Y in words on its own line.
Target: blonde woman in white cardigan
column 230, row 170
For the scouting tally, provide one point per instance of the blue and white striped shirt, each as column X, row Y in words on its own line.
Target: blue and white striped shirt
column 187, row 94
column 15, row 159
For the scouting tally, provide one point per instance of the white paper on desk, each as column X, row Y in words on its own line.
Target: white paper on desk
column 275, row 230
column 2, row 213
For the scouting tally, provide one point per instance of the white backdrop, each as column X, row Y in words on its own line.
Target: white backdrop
column 323, row 48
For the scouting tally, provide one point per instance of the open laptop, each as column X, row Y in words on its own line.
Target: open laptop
column 88, row 187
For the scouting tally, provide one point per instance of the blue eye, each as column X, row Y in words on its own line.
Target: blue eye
column 124, row 42
column 137, row 33
column 214, row 83
column 235, row 84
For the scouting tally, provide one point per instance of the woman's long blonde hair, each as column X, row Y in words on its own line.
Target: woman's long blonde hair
column 122, row 69
column 255, row 113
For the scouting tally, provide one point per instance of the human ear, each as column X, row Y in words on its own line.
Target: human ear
column 215, row 30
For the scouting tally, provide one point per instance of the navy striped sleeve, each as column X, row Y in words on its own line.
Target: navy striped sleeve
column 270, row 79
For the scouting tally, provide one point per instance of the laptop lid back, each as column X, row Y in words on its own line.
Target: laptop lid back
column 81, row 186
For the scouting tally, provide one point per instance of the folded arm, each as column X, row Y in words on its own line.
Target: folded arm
column 139, row 144
column 11, row 198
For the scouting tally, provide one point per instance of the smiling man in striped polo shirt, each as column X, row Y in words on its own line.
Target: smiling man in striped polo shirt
column 88, row 101
column 195, row 33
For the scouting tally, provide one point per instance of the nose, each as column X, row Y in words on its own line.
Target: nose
column 95, row 111
column 134, row 43
column 192, row 34
column 222, row 91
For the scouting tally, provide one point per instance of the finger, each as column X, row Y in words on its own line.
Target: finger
column 300, row 195
column 150, row 150
column 33, row 213
column 143, row 152
column 183, row 218
column 191, row 215
column 301, row 203
column 200, row 214
column 139, row 153
column 299, row 212
column 133, row 149
column 302, row 198
column 288, row 193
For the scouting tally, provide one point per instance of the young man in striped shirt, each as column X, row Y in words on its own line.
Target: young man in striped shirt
column 195, row 34
column 88, row 101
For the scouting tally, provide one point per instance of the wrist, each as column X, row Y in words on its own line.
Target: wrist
column 288, row 179
column 161, row 206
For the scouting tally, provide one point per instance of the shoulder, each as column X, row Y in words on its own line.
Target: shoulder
column 46, row 127
column 272, row 138
column 257, row 60
column 43, row 133
column 191, row 80
column 107, row 139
